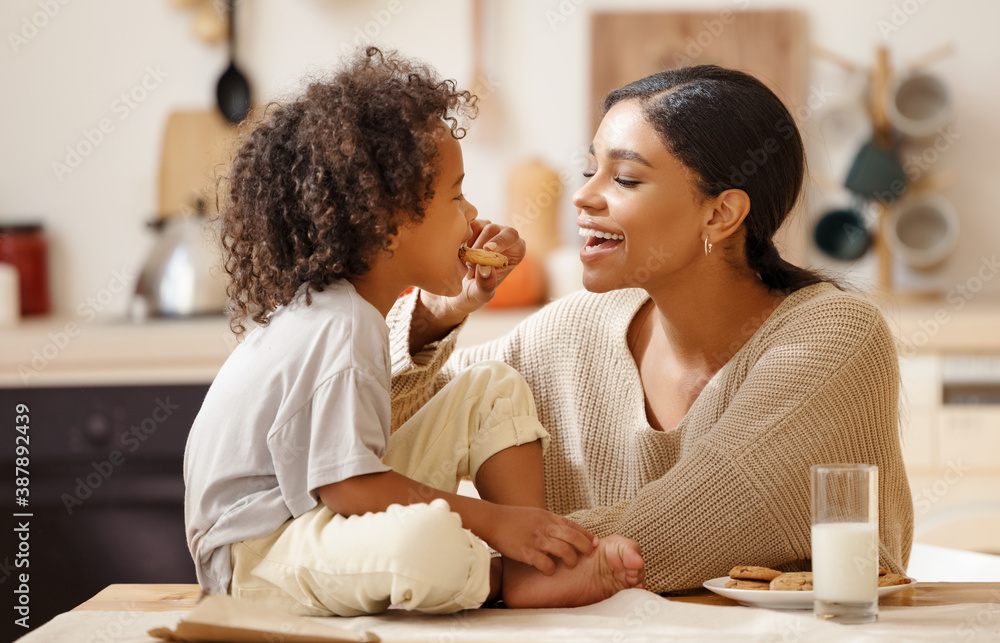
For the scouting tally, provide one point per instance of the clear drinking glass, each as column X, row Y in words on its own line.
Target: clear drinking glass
column 845, row 542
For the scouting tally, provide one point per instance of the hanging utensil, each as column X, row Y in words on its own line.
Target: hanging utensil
column 233, row 90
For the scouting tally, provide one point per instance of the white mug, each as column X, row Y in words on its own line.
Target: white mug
column 919, row 105
column 923, row 230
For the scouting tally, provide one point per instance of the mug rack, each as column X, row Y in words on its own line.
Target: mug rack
column 881, row 76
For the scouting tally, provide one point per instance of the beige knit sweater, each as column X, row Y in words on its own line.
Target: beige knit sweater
column 817, row 383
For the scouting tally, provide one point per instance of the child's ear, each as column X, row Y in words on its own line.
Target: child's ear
column 393, row 242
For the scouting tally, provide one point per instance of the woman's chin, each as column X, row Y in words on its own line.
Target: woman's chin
column 598, row 283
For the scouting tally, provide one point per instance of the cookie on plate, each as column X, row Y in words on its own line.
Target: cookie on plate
column 750, row 572
column 746, row 584
column 888, row 580
column 882, row 570
column 793, row 582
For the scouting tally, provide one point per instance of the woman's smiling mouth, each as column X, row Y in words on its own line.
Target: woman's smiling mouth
column 598, row 240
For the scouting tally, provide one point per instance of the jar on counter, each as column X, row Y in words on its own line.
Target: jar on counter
column 24, row 247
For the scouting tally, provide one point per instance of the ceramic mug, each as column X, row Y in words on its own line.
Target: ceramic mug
column 919, row 105
column 877, row 173
column 923, row 231
column 841, row 234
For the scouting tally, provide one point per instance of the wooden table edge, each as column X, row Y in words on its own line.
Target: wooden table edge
column 180, row 597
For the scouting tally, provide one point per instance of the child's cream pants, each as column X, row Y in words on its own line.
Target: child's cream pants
column 416, row 556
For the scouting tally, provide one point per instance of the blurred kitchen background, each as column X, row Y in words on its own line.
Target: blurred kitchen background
column 111, row 132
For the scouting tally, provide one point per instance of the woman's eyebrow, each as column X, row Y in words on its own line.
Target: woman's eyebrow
column 622, row 154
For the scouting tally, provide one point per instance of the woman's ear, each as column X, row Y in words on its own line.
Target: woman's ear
column 728, row 212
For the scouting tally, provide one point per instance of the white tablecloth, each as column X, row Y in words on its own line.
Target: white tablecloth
column 632, row 615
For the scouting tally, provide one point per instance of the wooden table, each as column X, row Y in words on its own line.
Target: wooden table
column 165, row 598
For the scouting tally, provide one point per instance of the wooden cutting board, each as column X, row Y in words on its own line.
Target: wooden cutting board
column 197, row 147
column 771, row 45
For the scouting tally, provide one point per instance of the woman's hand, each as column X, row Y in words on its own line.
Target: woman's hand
column 535, row 536
column 436, row 315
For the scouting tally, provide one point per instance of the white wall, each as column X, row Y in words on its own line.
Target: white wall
column 68, row 76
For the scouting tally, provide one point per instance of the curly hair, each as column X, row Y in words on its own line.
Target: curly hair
column 319, row 185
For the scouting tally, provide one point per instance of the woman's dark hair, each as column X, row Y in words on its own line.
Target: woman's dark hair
column 733, row 132
column 320, row 183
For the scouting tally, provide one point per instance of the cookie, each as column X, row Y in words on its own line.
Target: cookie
column 888, row 580
column 793, row 582
column 749, row 572
column 482, row 257
column 746, row 584
column 882, row 570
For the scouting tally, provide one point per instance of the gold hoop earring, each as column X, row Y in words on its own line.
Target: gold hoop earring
column 708, row 247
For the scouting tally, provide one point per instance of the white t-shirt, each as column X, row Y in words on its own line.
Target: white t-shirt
column 303, row 402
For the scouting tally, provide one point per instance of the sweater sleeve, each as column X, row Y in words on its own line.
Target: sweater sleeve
column 417, row 377
column 824, row 390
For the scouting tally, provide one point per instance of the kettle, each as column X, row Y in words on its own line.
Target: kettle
column 183, row 275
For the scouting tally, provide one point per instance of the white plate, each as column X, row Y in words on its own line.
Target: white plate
column 779, row 600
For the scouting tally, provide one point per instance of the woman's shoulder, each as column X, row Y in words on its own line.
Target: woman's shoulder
column 825, row 314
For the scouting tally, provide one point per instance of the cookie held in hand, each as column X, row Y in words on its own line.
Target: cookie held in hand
column 751, row 572
column 793, row 582
column 482, row 257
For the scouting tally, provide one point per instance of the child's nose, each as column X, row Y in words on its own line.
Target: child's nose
column 470, row 212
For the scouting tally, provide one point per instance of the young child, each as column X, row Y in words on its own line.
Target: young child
column 296, row 492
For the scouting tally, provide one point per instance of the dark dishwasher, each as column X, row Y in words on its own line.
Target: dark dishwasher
column 105, row 491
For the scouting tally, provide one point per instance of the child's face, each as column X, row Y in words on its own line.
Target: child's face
column 429, row 249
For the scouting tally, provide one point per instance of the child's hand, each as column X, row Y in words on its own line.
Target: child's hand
column 533, row 536
column 480, row 282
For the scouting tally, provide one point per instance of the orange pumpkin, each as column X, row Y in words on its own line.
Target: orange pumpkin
column 524, row 286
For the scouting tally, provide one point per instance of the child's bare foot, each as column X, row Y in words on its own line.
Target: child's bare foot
column 615, row 564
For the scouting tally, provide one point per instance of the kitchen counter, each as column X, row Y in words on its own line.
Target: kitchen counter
column 65, row 352
column 71, row 352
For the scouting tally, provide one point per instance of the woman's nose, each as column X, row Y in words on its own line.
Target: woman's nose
column 587, row 197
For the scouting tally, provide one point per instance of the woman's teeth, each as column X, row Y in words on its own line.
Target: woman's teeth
column 586, row 232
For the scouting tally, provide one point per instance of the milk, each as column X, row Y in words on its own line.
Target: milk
column 845, row 562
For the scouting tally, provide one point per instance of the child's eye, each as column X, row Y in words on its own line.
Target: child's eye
column 460, row 197
column 626, row 183
column 588, row 174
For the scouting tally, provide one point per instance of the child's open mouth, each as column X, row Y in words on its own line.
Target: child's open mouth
column 597, row 240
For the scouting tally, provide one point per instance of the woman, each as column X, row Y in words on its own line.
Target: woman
column 688, row 393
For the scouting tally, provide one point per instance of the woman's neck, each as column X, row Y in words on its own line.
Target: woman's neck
column 705, row 322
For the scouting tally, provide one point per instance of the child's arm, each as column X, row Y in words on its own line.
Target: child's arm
column 526, row 534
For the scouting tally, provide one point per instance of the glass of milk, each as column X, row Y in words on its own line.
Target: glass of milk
column 845, row 542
